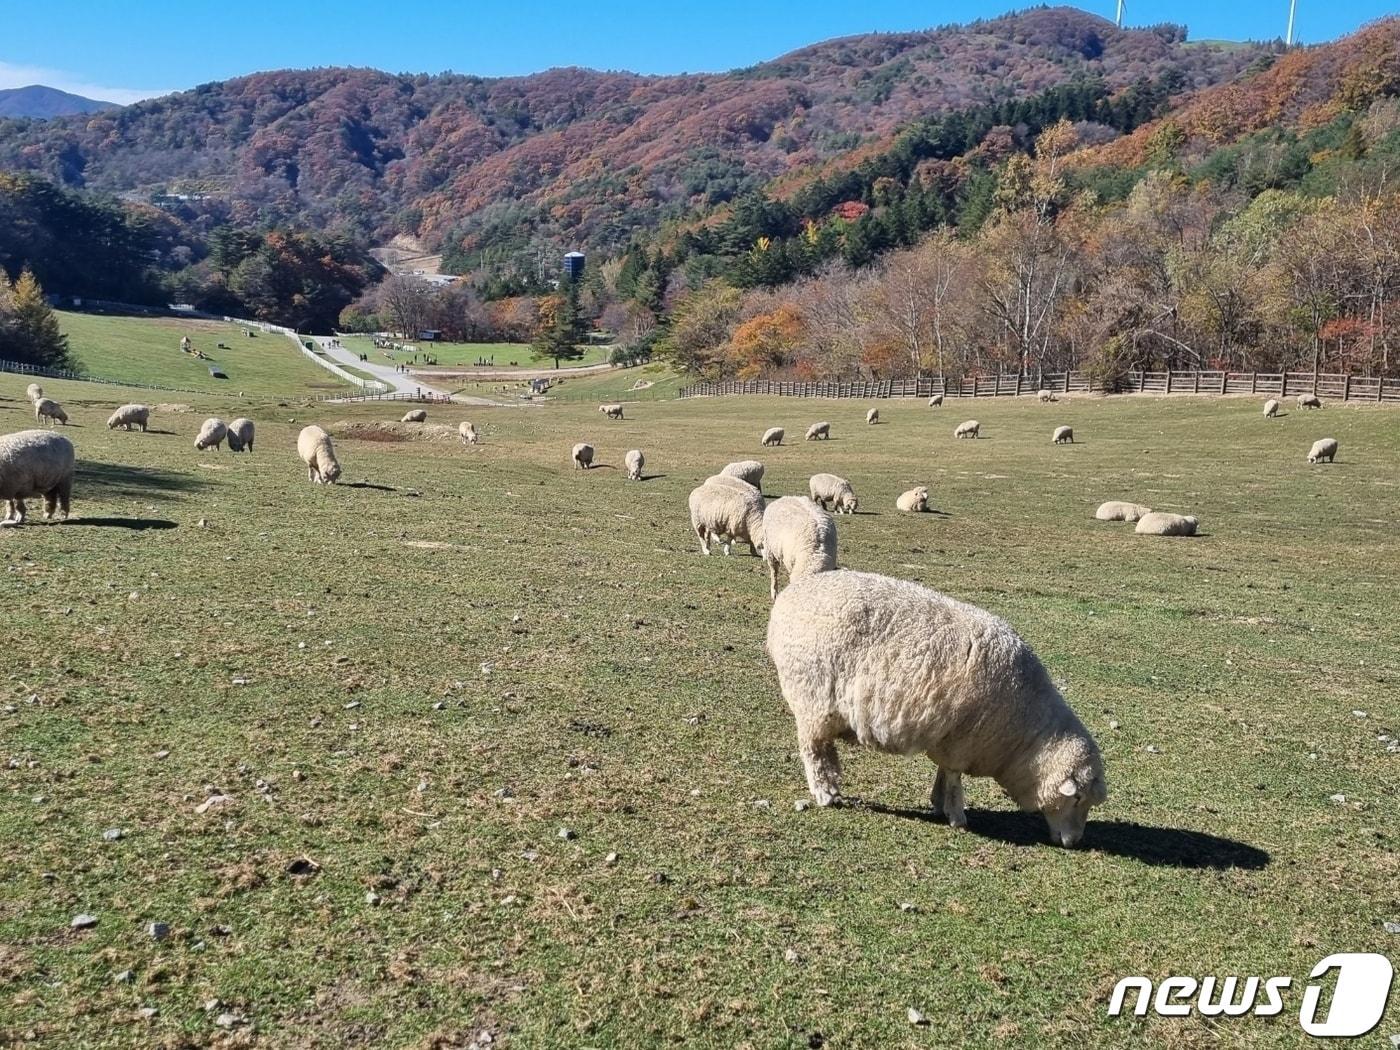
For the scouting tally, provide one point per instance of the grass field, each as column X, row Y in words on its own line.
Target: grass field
column 147, row 350
column 465, row 355
column 410, row 685
column 658, row 382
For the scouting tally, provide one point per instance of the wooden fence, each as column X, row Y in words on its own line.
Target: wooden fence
column 1335, row 386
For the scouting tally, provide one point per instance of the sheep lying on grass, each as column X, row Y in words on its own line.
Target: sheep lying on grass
column 1271, row 408
column 828, row 488
column 211, row 434
column 726, row 510
column 819, row 430
column 899, row 667
column 240, row 435
column 1324, row 448
column 915, row 501
column 1160, row 523
column 873, row 416
column 750, row 470
column 1309, row 401
column 415, row 415
column 129, row 416
column 1063, row 435
column 34, row 392
column 1116, row 510
column 634, row 461
column 468, row 432
column 48, row 410
column 611, row 411
column 582, row 456
column 35, row 463
column 971, row 429
column 936, row 401
column 317, row 451
column 773, row 436
column 798, row 536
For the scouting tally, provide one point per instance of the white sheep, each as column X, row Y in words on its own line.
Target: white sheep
column 819, row 430
column 828, row 488
column 773, row 436
column 1271, row 408
column 34, row 392
column 1323, row 448
column 971, row 428
column 1309, row 401
column 873, row 416
column 211, row 434
column 936, row 401
column 129, row 416
column 1063, row 435
column 582, row 456
column 798, row 536
column 35, row 463
column 1161, row 523
column 468, row 432
column 915, row 501
column 415, row 415
column 611, row 411
column 634, row 461
column 726, row 510
column 750, row 470
column 1046, row 397
column 896, row 666
column 1117, row 510
column 48, row 410
column 240, row 435
column 317, row 451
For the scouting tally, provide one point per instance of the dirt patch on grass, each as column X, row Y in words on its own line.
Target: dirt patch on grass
column 393, row 431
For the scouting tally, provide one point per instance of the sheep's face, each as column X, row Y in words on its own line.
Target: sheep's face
column 330, row 473
column 1069, row 811
column 849, row 503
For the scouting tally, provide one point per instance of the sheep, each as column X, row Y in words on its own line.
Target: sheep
column 897, row 666
column 750, row 470
column 50, row 411
column 611, row 411
column 970, row 428
column 1046, row 397
column 129, row 416
column 416, row 415
column 317, row 451
column 34, row 392
column 1160, row 523
column 634, row 462
column 582, row 456
column 211, row 434
column 1325, row 448
column 773, row 436
column 726, row 510
column 35, row 463
column 936, row 401
column 828, row 488
column 873, row 416
column 468, row 432
column 1271, row 408
column 240, row 435
column 1063, row 435
column 915, row 501
column 1309, row 401
column 1117, row 510
column 819, row 430
column 799, row 536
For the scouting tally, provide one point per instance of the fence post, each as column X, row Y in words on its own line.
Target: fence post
column 1018, row 384
column 1346, row 386
column 1253, row 382
column 1198, row 381
column 1224, row 379
column 1169, row 380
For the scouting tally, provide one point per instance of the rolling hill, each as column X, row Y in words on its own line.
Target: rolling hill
column 38, row 102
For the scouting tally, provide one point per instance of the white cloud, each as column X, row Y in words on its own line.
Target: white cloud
column 13, row 75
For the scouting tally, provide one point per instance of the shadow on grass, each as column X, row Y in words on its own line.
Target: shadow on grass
column 132, row 524
column 651, row 477
column 119, row 480
column 367, row 485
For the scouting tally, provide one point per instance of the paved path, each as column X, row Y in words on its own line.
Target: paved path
column 397, row 382
column 450, row 372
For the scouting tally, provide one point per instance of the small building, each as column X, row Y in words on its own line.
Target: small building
column 430, row 335
column 573, row 266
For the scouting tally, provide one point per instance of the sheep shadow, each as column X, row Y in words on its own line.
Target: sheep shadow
column 1158, row 847
column 131, row 524
column 367, row 485
column 651, row 477
column 119, row 480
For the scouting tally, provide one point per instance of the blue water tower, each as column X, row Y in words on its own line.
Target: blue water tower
column 573, row 266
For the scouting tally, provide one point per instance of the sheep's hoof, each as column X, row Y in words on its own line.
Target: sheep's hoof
column 826, row 799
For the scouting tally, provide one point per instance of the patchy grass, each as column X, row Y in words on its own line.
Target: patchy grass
column 418, row 678
column 652, row 382
column 466, row 355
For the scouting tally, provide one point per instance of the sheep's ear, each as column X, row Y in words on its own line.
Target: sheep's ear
column 1098, row 791
column 1069, row 788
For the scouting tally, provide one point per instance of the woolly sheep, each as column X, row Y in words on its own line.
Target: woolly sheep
column 317, row 451
column 49, row 410
column 773, row 436
column 873, row 416
column 416, row 415
column 971, row 428
column 34, row 392
column 1160, row 523
column 634, row 462
column 211, row 434
column 799, row 536
column 582, row 456
column 1064, row 434
column 611, row 411
column 35, row 463
column 1309, row 401
column 936, row 401
column 900, row 667
column 468, row 432
column 726, row 510
column 819, row 430
column 129, row 416
column 1325, row 448
column 750, row 470
column 240, row 435
column 915, row 501
column 1046, row 397
column 1271, row 408
column 1117, row 510
column 828, row 488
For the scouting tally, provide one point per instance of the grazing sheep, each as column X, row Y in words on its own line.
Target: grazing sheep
column 936, row 401
column 873, row 416
column 915, row 501
column 611, row 411
column 828, row 488
column 971, row 428
column 819, row 430
column 416, row 415
column 634, row 462
column 34, row 392
column 211, row 434
column 1160, row 523
column 1325, row 448
column 1063, row 435
column 1117, row 510
column 129, row 416
column 35, row 463
column 317, row 451
column 1046, row 397
column 582, row 456
column 799, row 536
column 897, row 666
column 726, row 510
column 773, row 436
column 1309, row 401
column 240, row 435
column 750, row 470
column 49, row 410
column 468, row 432
column 1271, row 408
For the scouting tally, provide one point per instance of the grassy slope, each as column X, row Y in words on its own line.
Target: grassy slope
column 140, row 349
column 618, row 384
column 464, row 355
column 625, row 695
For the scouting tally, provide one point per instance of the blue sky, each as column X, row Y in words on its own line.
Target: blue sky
column 128, row 49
